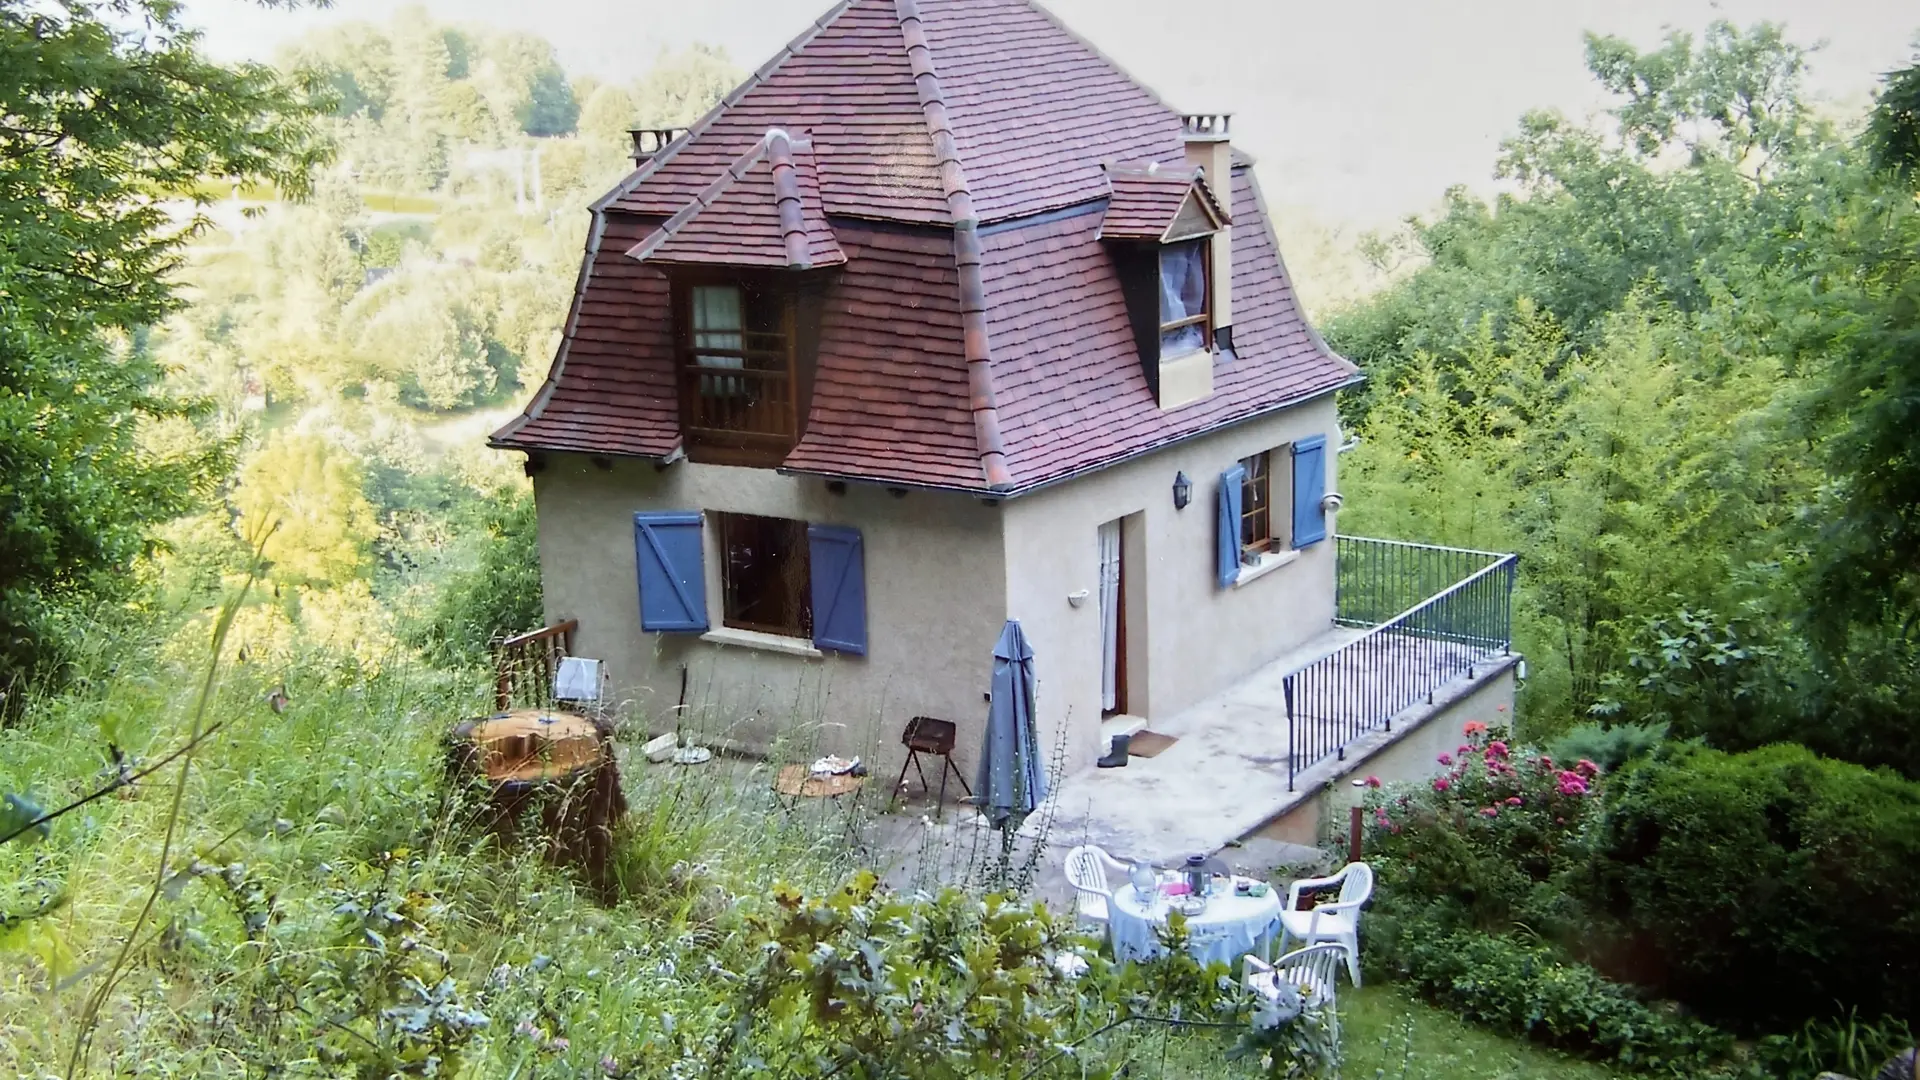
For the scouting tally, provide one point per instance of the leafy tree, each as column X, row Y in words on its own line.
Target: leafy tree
column 1893, row 132
column 87, row 255
column 305, row 498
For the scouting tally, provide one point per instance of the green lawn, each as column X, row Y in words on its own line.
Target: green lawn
column 1376, row 1022
column 1385, row 1035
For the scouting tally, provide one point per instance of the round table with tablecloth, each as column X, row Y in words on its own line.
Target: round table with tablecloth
column 1228, row 929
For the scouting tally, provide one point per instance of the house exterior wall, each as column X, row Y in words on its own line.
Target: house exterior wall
column 1186, row 636
column 935, row 577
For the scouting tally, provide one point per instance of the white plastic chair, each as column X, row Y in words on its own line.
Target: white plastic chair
column 1338, row 922
column 1087, row 873
column 1314, row 970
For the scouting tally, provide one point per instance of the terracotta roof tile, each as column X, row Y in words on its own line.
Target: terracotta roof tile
column 1072, row 388
column 1026, row 117
column 1145, row 199
column 763, row 211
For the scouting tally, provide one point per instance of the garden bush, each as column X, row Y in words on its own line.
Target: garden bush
column 1526, row 988
column 1775, row 886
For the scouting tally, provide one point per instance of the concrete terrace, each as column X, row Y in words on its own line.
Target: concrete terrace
column 1226, row 776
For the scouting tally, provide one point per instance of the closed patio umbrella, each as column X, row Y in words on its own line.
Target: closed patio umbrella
column 1011, row 780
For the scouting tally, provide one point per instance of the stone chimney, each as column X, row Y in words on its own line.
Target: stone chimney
column 650, row 141
column 1210, row 149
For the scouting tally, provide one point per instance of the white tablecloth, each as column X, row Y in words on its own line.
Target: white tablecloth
column 1231, row 927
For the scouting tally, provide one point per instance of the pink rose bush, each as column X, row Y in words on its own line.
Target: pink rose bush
column 1509, row 795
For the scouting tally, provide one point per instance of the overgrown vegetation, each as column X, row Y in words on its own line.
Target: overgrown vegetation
column 1674, row 371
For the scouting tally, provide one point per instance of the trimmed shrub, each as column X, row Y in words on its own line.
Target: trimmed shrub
column 1775, row 885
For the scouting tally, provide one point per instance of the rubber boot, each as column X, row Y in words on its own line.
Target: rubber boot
column 1117, row 756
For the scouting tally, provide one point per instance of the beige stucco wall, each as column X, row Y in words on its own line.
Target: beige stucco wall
column 1187, row 637
column 935, row 595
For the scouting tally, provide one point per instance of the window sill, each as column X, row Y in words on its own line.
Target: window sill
column 1271, row 561
column 754, row 639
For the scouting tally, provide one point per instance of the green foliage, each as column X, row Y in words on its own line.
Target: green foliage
column 1526, row 988
column 496, row 592
column 85, row 261
column 303, row 500
column 1749, row 872
column 1893, row 129
column 1848, row 1045
column 1675, row 372
column 1609, row 747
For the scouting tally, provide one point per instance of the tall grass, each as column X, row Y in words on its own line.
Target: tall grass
column 288, row 811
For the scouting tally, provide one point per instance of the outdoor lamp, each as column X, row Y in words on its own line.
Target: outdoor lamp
column 1182, row 491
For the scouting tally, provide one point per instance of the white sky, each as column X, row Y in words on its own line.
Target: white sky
column 1361, row 111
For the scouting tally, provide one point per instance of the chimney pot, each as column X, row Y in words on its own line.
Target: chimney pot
column 1210, row 149
column 650, row 141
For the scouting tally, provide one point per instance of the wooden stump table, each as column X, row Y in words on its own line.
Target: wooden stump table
column 558, row 763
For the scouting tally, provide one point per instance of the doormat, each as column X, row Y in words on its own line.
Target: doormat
column 1149, row 743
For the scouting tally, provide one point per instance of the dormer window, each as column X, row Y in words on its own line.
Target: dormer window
column 1186, row 324
column 737, row 369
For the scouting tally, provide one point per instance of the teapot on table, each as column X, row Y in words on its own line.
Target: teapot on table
column 1200, row 870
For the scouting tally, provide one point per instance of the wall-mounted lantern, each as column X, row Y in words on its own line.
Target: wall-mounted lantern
column 1182, row 491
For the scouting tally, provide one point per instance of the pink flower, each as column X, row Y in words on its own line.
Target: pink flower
column 1513, row 800
column 1496, row 748
column 1441, row 784
column 1446, row 759
column 1559, row 821
column 1587, row 768
column 1373, row 781
column 1572, row 783
column 1489, row 811
column 1464, row 750
column 1546, row 762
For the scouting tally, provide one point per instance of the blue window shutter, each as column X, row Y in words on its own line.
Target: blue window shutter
column 1309, row 488
column 839, row 570
column 1228, row 555
column 673, row 575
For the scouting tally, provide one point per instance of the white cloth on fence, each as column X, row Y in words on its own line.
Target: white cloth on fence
column 577, row 679
column 1231, row 927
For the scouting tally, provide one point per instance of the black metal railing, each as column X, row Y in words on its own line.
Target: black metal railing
column 1376, row 580
column 1454, row 613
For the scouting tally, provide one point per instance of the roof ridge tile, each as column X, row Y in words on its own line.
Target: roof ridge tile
column 967, row 255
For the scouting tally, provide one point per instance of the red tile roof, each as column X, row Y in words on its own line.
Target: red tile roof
column 976, row 337
column 1077, row 397
column 1144, row 200
column 764, row 211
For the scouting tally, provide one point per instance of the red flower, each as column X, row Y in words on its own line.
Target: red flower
column 1496, row 748
column 1513, row 800
column 1373, row 781
column 1446, row 759
column 1475, row 727
column 1587, row 768
column 1441, row 784
column 1489, row 811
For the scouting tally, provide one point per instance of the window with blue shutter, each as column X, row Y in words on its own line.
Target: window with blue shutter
column 839, row 588
column 1227, row 553
column 673, row 577
column 1309, row 488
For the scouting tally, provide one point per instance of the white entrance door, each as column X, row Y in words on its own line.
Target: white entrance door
column 1110, row 629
